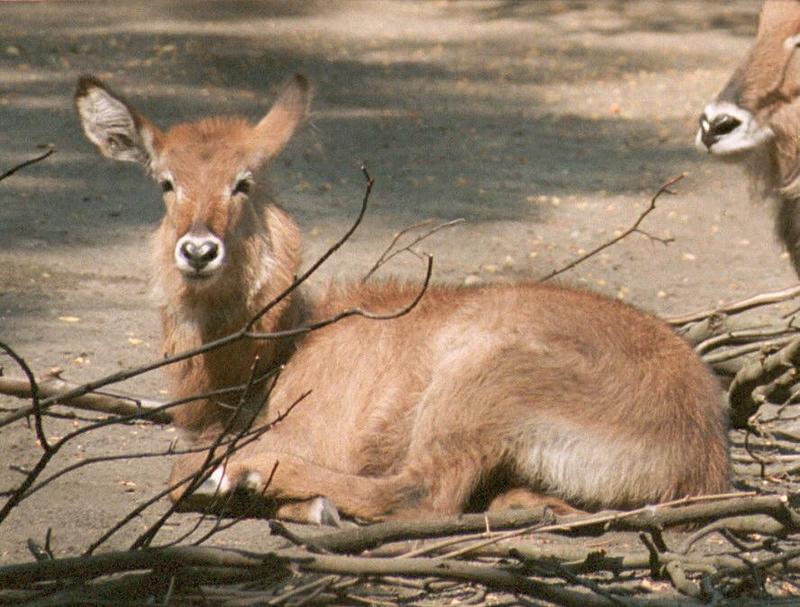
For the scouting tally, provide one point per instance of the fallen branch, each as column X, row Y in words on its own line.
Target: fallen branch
column 742, row 305
column 52, row 387
column 743, row 393
column 87, row 567
column 492, row 577
column 540, row 520
column 358, row 539
column 174, row 558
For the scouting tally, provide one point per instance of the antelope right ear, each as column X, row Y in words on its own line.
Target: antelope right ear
column 118, row 131
column 275, row 129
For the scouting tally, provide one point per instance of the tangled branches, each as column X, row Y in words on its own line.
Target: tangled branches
column 740, row 545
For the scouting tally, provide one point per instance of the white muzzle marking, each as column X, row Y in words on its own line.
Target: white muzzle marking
column 199, row 255
column 747, row 135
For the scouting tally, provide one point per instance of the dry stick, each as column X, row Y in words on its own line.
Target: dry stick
column 581, row 559
column 323, row 582
column 743, row 336
column 664, row 189
column 22, row 165
column 763, row 524
column 249, row 511
column 196, row 479
column 37, row 408
column 751, row 348
column 358, row 539
column 742, row 305
column 87, row 567
column 765, row 371
column 26, row 489
column 201, row 475
column 53, row 386
column 102, row 459
column 360, row 312
column 190, row 479
column 491, row 577
column 172, row 559
column 679, row 512
column 218, row 526
column 388, row 253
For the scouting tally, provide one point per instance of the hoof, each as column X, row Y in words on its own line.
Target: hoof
column 253, row 482
column 216, row 484
column 324, row 512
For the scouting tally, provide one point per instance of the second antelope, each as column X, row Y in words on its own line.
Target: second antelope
column 755, row 119
column 478, row 397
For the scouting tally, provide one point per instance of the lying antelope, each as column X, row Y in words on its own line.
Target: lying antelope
column 755, row 120
column 478, row 397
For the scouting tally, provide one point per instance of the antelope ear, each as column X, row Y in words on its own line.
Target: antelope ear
column 287, row 113
column 110, row 123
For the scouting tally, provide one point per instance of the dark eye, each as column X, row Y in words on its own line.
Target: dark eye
column 167, row 186
column 242, row 187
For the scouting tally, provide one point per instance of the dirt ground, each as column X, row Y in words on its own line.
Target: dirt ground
column 547, row 126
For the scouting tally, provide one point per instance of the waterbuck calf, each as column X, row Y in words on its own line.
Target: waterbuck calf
column 522, row 395
column 755, row 120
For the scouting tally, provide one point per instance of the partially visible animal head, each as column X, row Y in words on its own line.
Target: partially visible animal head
column 755, row 119
column 206, row 170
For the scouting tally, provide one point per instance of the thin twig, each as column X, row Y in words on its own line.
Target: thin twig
column 388, row 254
column 664, row 189
column 36, row 403
column 22, row 165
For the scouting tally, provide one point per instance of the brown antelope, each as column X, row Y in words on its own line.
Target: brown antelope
column 491, row 396
column 755, row 120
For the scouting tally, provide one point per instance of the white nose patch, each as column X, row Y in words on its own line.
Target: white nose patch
column 199, row 255
column 749, row 134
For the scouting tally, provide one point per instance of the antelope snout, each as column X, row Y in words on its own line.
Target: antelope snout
column 199, row 255
column 726, row 128
column 713, row 129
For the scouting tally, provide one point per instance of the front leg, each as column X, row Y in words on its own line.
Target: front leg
column 218, row 495
column 279, row 485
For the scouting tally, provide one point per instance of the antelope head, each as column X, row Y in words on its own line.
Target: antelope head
column 205, row 169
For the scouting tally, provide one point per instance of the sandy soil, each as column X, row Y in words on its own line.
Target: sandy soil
column 547, row 126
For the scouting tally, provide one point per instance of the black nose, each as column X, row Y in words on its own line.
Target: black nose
column 713, row 130
column 199, row 255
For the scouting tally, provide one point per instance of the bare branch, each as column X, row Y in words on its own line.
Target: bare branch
column 36, row 408
column 39, row 158
column 760, row 373
column 389, row 253
column 664, row 189
column 52, row 386
column 762, row 299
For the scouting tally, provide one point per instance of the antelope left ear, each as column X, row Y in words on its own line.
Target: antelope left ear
column 286, row 115
column 110, row 123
